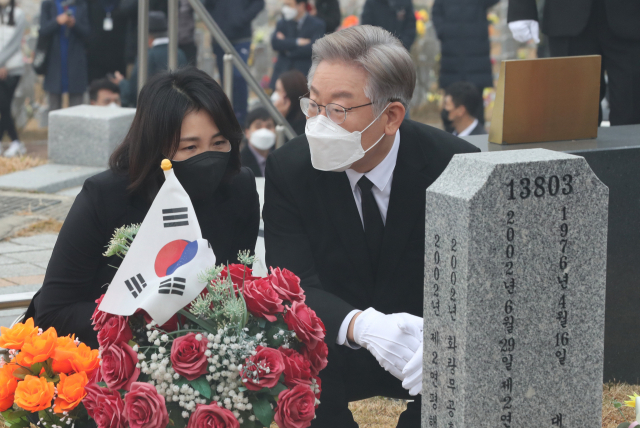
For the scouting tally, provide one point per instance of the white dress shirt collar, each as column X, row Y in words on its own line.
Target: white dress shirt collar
column 468, row 130
column 160, row 41
column 381, row 175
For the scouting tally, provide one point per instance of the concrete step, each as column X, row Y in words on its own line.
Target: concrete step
column 50, row 178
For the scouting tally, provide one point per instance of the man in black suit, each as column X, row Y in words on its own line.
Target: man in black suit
column 294, row 35
column 260, row 132
column 344, row 210
column 461, row 103
column 610, row 28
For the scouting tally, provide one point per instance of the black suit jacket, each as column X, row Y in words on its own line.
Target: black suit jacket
column 78, row 273
column 312, row 227
column 248, row 160
column 567, row 18
column 290, row 55
column 478, row 130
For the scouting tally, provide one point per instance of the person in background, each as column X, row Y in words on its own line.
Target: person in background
column 103, row 92
column 234, row 18
column 609, row 28
column 294, row 35
column 105, row 46
column 329, row 12
column 286, row 98
column 463, row 30
column 158, row 59
column 460, row 102
column 67, row 23
column 186, row 31
column 12, row 26
column 260, row 131
column 395, row 16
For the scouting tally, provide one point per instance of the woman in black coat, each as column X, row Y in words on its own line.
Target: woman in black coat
column 183, row 116
column 463, row 30
column 66, row 22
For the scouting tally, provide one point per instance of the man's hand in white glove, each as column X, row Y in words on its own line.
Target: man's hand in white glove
column 412, row 373
column 525, row 30
column 392, row 339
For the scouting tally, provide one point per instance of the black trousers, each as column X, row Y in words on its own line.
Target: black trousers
column 353, row 375
column 620, row 60
column 7, row 89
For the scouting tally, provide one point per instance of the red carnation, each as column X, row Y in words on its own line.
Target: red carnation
column 265, row 358
column 304, row 321
column 262, row 300
column 287, row 285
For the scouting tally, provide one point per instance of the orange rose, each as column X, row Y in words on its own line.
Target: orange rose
column 70, row 392
column 38, row 348
column 13, row 338
column 66, row 349
column 8, row 384
column 34, row 393
column 85, row 359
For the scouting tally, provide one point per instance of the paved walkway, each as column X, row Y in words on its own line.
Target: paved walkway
column 23, row 263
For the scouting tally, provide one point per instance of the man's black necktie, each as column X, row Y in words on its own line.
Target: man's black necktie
column 373, row 225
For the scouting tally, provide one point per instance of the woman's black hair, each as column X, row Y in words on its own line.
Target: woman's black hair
column 12, row 21
column 294, row 84
column 155, row 132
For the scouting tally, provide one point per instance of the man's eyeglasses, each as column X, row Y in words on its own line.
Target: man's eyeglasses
column 335, row 112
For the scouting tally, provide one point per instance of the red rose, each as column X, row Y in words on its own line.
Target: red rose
column 297, row 369
column 238, row 274
column 105, row 406
column 115, row 329
column 100, row 318
column 304, row 321
column 296, row 407
column 144, row 407
column 262, row 300
column 187, row 356
column 265, row 358
column 212, row 416
column 317, row 357
column 287, row 285
column 119, row 366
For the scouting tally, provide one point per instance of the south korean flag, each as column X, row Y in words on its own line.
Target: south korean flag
column 160, row 271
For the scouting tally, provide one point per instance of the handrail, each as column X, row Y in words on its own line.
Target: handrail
column 16, row 300
column 242, row 66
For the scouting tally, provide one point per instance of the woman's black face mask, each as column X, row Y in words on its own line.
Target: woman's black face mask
column 201, row 175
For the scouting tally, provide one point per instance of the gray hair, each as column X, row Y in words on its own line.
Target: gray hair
column 391, row 72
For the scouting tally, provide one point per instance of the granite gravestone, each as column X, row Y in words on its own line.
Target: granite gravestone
column 87, row 135
column 515, row 262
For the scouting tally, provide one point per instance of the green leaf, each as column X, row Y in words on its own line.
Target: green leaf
column 181, row 381
column 175, row 414
column 210, row 327
column 242, row 388
column 21, row 372
column 102, row 384
column 262, row 322
column 617, row 404
column 624, row 425
column 201, row 385
column 276, row 390
column 263, row 411
column 36, row 369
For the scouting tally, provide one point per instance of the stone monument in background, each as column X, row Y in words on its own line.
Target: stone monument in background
column 515, row 262
column 86, row 135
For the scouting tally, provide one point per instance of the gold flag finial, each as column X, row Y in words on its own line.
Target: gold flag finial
column 165, row 165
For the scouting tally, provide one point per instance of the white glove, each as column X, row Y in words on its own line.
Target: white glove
column 525, row 30
column 392, row 339
column 412, row 373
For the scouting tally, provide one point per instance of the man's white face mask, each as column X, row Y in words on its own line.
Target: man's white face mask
column 332, row 147
column 289, row 13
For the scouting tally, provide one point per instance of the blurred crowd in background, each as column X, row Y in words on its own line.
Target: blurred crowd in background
column 57, row 53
